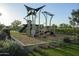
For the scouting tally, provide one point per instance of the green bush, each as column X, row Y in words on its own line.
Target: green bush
column 41, row 51
column 12, row 48
column 1, row 42
column 68, row 31
column 78, row 38
column 66, row 40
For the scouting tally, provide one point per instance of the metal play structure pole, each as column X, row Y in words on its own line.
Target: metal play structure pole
column 39, row 22
column 45, row 13
column 33, row 12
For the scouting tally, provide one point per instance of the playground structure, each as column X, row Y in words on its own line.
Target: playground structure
column 31, row 28
column 38, row 44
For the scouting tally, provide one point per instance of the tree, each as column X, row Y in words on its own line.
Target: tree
column 15, row 24
column 1, row 26
column 65, row 28
column 72, row 23
column 74, row 19
column 54, row 26
column 63, row 25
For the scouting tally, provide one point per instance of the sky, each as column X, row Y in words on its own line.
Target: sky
column 17, row 11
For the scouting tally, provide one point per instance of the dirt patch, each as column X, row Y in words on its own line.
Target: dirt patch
column 24, row 38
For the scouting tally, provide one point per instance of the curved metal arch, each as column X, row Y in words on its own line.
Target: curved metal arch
column 45, row 13
column 33, row 11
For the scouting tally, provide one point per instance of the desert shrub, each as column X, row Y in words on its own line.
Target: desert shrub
column 41, row 51
column 60, row 45
column 1, row 42
column 78, row 38
column 66, row 40
column 68, row 31
column 12, row 47
column 53, row 44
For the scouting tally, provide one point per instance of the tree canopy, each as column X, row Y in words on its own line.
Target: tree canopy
column 74, row 19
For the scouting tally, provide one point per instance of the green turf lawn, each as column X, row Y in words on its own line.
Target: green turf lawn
column 72, row 50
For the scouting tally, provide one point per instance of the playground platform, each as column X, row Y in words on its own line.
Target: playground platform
column 25, row 40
